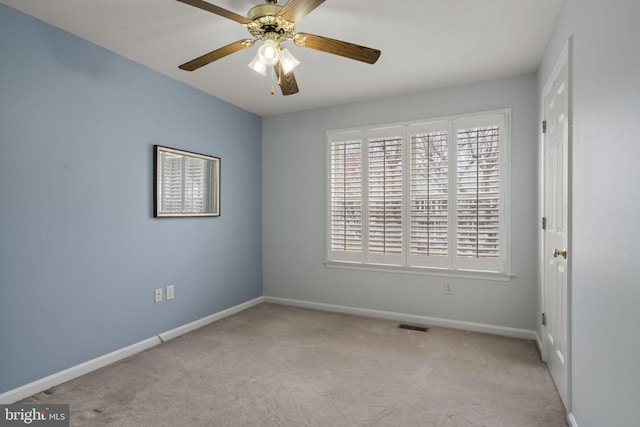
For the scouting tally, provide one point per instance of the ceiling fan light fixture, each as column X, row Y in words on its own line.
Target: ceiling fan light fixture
column 288, row 61
column 258, row 66
column 268, row 53
column 273, row 24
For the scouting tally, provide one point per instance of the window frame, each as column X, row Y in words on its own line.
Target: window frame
column 454, row 266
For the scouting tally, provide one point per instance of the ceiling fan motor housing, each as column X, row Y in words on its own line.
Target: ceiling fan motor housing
column 263, row 10
column 267, row 25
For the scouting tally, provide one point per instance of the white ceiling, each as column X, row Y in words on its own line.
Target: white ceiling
column 425, row 44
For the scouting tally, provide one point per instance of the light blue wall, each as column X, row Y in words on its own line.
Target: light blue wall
column 606, row 202
column 80, row 252
column 294, row 210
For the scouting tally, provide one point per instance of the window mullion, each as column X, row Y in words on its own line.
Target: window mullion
column 453, row 195
column 477, row 212
column 183, row 183
column 406, row 196
column 365, row 197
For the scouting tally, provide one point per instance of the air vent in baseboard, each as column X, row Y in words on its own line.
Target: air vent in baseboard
column 413, row 328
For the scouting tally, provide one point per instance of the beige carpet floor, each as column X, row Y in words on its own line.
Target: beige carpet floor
column 273, row 365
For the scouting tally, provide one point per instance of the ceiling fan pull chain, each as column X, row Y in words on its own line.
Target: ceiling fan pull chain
column 273, row 87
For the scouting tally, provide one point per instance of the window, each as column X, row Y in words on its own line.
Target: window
column 426, row 196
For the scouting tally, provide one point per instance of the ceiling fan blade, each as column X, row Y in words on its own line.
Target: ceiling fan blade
column 295, row 10
column 287, row 82
column 337, row 47
column 217, row 10
column 208, row 58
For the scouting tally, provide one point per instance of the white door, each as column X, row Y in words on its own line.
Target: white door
column 556, row 234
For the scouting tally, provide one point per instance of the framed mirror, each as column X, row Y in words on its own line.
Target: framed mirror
column 185, row 183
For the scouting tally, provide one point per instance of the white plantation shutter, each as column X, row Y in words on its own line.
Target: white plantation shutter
column 478, row 185
column 345, row 200
column 385, row 195
column 429, row 195
column 422, row 196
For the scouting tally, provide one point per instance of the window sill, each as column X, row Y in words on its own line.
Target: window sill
column 442, row 272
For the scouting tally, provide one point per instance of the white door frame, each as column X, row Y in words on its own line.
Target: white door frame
column 564, row 58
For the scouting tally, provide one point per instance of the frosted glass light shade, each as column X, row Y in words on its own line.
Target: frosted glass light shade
column 287, row 61
column 268, row 53
column 258, row 66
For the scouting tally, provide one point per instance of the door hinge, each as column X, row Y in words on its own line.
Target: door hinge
column 544, row 222
column 544, row 319
column 544, row 126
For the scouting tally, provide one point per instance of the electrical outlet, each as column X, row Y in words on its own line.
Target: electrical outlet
column 170, row 292
column 448, row 289
column 158, row 295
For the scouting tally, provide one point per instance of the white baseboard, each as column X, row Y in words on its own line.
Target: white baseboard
column 572, row 420
column 410, row 318
column 180, row 330
column 58, row 378
column 37, row 386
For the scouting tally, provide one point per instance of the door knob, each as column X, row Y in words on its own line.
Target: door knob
column 557, row 252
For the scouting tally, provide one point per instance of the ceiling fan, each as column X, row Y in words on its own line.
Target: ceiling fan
column 273, row 24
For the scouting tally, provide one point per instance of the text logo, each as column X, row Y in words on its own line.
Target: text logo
column 34, row 415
